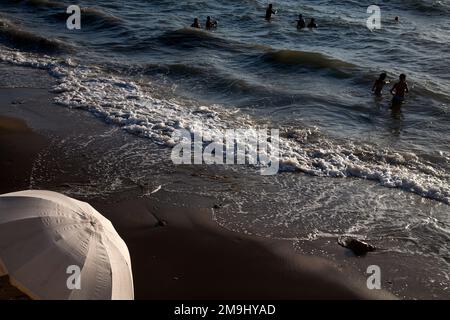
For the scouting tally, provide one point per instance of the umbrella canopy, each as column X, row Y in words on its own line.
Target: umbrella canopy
column 56, row 247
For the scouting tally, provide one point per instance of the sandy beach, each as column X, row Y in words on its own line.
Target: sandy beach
column 177, row 250
column 320, row 155
column 180, row 253
column 319, row 165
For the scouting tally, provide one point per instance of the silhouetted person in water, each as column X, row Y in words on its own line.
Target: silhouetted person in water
column 210, row 23
column 312, row 24
column 269, row 12
column 397, row 19
column 399, row 90
column 379, row 84
column 301, row 22
column 196, row 24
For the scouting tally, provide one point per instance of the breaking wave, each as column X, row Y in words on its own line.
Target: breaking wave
column 132, row 106
column 16, row 37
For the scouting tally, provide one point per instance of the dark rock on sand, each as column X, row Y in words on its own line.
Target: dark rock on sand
column 358, row 247
column 162, row 223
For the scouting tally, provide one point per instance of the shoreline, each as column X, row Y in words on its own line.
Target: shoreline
column 177, row 250
column 181, row 253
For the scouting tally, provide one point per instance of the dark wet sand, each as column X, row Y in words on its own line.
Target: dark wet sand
column 177, row 251
column 180, row 253
column 19, row 146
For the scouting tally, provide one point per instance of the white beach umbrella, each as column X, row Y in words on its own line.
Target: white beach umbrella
column 56, row 247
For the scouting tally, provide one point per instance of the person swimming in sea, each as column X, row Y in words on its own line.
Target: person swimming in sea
column 196, row 24
column 301, row 22
column 399, row 90
column 397, row 19
column 312, row 24
column 210, row 24
column 379, row 84
column 270, row 11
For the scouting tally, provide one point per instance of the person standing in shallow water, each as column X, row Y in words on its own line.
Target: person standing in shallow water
column 379, row 84
column 312, row 24
column 301, row 22
column 399, row 90
column 269, row 12
column 196, row 24
column 210, row 23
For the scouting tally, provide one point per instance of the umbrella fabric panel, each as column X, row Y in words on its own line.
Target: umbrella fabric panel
column 42, row 233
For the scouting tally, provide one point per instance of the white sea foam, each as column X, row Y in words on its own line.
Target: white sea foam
column 133, row 107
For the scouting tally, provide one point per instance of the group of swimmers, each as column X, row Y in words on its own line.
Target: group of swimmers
column 210, row 24
column 300, row 22
column 399, row 90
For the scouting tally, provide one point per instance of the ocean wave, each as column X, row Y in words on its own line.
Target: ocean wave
column 190, row 38
column 259, row 59
column 313, row 60
column 325, row 157
column 427, row 6
column 421, row 6
column 43, row 3
column 215, row 79
column 94, row 14
column 16, row 37
column 133, row 107
column 428, row 89
column 91, row 16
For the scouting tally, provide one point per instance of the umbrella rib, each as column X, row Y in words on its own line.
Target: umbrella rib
column 116, row 247
column 91, row 247
column 124, row 259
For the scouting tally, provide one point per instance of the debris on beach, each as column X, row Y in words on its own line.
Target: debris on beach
column 358, row 247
